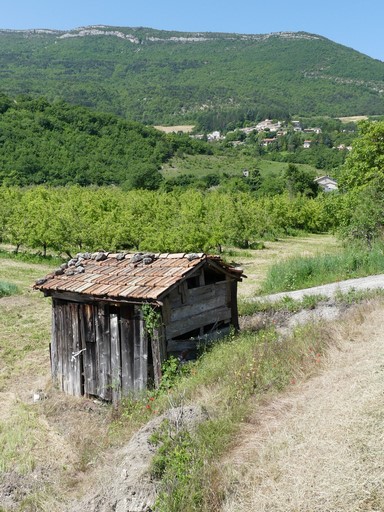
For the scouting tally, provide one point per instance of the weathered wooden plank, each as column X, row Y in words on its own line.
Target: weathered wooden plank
column 159, row 354
column 115, row 357
column 196, row 308
column 89, row 322
column 234, row 308
column 89, row 299
column 103, row 352
column 137, row 382
column 179, row 327
column 53, row 344
column 127, row 349
column 76, row 365
column 60, row 344
column 88, row 338
column 199, row 294
column 143, row 354
column 67, row 349
column 183, row 292
column 166, row 310
column 140, row 367
column 208, row 291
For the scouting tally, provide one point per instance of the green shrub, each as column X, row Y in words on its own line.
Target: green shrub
column 8, row 289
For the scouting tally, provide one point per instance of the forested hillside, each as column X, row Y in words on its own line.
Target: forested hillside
column 212, row 79
column 60, row 144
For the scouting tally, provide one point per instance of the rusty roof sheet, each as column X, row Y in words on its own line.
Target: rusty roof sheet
column 134, row 277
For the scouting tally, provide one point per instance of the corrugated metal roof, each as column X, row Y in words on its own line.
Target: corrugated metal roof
column 136, row 276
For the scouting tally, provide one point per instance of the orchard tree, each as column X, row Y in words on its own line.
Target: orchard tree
column 362, row 218
column 298, row 181
column 365, row 164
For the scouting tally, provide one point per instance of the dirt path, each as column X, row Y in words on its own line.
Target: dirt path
column 319, row 447
column 329, row 290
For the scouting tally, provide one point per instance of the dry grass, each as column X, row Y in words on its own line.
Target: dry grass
column 353, row 119
column 187, row 128
column 319, row 446
column 45, row 447
column 257, row 262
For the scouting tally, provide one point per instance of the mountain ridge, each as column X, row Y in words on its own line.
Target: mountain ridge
column 207, row 78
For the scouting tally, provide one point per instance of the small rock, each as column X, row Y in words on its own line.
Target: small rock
column 137, row 257
column 101, row 256
column 192, row 256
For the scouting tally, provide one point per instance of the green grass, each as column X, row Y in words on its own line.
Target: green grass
column 7, row 289
column 286, row 304
column 231, row 163
column 18, row 435
column 305, row 272
column 29, row 257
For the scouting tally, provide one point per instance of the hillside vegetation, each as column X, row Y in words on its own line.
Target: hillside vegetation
column 156, row 77
column 60, row 144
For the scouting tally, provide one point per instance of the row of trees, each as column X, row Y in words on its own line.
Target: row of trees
column 69, row 219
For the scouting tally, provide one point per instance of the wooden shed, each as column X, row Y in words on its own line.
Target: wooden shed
column 117, row 317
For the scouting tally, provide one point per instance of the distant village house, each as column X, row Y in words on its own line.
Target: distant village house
column 326, row 183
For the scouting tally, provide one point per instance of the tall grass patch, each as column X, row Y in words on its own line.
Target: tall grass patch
column 19, row 432
column 304, row 272
column 7, row 289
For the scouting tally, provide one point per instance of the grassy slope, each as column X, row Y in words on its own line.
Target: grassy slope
column 232, row 164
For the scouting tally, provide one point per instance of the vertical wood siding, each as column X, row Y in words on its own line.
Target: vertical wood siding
column 99, row 350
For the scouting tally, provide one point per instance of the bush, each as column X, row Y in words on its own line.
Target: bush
column 7, row 289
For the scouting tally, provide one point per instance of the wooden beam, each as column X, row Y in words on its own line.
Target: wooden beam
column 127, row 349
column 234, row 308
column 88, row 337
column 76, row 363
column 115, row 357
column 159, row 352
column 103, row 353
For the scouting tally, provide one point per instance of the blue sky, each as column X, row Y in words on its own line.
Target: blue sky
column 358, row 25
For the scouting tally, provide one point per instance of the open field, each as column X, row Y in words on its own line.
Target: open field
column 185, row 128
column 201, row 165
column 353, row 119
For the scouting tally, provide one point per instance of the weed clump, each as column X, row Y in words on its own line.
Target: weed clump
column 7, row 289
